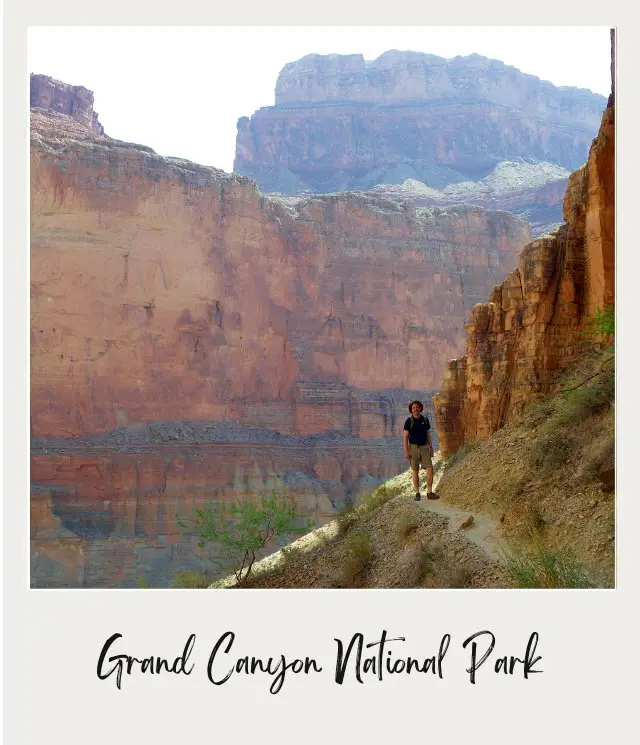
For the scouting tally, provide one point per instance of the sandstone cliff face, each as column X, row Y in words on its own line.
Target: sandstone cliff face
column 73, row 100
column 342, row 123
column 164, row 292
column 156, row 282
column 532, row 327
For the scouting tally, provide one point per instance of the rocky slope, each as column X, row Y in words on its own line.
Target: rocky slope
column 172, row 304
column 534, row 324
column 532, row 191
column 340, row 122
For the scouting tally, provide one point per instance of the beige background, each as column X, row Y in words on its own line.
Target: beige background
column 53, row 638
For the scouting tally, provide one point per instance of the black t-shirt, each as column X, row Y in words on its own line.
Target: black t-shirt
column 418, row 432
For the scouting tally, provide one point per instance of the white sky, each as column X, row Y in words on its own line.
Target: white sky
column 181, row 90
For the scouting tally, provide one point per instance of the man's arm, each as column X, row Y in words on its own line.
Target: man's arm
column 406, row 444
column 429, row 442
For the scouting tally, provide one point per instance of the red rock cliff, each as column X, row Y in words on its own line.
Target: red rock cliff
column 532, row 326
column 166, row 290
column 180, row 321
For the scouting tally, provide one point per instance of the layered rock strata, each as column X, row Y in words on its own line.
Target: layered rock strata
column 340, row 122
column 533, row 326
column 74, row 101
column 163, row 292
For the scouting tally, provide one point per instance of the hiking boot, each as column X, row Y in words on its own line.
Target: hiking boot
column 418, row 497
column 433, row 495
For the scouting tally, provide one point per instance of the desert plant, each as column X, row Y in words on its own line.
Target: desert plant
column 191, row 580
column 357, row 558
column 243, row 528
column 537, row 566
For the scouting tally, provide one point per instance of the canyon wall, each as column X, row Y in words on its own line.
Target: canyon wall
column 340, row 122
column 180, row 320
column 533, row 326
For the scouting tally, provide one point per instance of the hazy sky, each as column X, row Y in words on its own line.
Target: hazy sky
column 181, row 90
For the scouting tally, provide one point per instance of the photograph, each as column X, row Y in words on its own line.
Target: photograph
column 318, row 307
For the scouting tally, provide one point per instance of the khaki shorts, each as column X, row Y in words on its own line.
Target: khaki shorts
column 420, row 454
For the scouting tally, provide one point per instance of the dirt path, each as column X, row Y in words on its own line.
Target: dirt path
column 484, row 531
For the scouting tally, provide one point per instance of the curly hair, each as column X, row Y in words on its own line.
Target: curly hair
column 416, row 402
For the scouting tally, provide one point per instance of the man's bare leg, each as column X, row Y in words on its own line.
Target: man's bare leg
column 416, row 478
column 429, row 470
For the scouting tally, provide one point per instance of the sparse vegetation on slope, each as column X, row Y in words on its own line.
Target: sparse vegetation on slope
column 387, row 541
column 542, row 477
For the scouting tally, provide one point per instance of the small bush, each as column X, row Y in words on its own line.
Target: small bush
column 407, row 525
column 577, row 405
column 538, row 410
column 358, row 558
column 243, row 528
column 539, row 567
column 418, row 567
column 346, row 519
column 377, row 498
column 191, row 580
column 550, row 451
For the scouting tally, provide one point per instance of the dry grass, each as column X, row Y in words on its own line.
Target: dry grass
column 357, row 559
column 537, row 566
column 407, row 524
column 346, row 519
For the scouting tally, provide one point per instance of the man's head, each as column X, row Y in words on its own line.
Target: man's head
column 416, row 407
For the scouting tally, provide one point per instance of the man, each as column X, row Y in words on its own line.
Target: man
column 418, row 448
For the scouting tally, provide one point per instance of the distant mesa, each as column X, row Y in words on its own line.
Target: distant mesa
column 75, row 101
column 343, row 123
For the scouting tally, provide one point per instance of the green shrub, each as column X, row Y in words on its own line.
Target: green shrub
column 243, row 528
column 603, row 321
